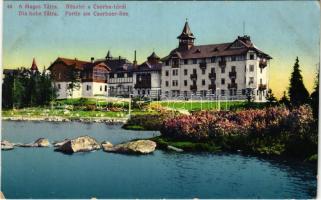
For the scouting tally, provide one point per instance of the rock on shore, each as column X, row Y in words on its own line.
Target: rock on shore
column 79, row 144
column 107, row 146
column 41, row 142
column 60, row 143
column 6, row 145
column 135, row 147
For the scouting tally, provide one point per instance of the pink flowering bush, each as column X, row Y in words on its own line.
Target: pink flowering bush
column 252, row 122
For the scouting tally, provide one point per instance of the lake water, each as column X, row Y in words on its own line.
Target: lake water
column 43, row 173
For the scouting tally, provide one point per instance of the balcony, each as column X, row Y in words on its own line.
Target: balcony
column 203, row 65
column 222, row 63
column 193, row 76
column 193, row 87
column 262, row 63
column 212, row 75
column 262, row 86
column 212, row 87
column 175, row 65
column 143, row 85
column 232, row 74
column 232, row 86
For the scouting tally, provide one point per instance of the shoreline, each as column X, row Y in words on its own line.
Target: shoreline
column 107, row 120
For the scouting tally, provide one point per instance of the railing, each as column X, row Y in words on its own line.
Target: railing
column 212, row 75
column 175, row 64
column 193, row 76
column 232, row 86
column 203, row 65
column 212, row 87
column 222, row 63
column 193, row 87
column 232, row 74
column 263, row 63
column 142, row 85
column 262, row 86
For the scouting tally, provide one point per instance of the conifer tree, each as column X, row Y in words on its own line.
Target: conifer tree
column 297, row 92
column 315, row 96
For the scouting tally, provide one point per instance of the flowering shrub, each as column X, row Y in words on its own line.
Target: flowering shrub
column 255, row 122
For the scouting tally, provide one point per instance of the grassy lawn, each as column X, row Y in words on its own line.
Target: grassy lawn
column 200, row 105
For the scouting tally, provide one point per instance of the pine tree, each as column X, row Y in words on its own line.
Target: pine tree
column 270, row 97
column 315, row 96
column 297, row 92
column 284, row 99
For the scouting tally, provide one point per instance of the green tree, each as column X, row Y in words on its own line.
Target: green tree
column 297, row 92
column 7, row 91
column 284, row 99
column 270, row 97
column 74, row 80
column 315, row 96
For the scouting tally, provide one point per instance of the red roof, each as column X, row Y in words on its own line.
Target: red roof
column 34, row 66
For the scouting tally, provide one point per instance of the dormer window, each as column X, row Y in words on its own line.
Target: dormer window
column 194, row 61
column 213, row 60
column 215, row 49
column 198, row 51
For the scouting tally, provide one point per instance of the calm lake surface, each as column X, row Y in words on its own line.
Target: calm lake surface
column 43, row 173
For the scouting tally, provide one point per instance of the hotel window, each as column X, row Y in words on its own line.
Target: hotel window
column 166, row 83
column 213, row 70
column 111, row 75
column 185, row 62
column 222, row 92
column 222, row 70
column 175, row 72
column 194, row 71
column 59, row 87
column 185, row 72
column 185, row 82
column 194, row 61
column 203, row 71
column 251, row 80
column 167, row 63
column 88, row 87
column 101, row 88
column 166, row 73
column 138, row 92
column 203, row 82
column 105, row 88
column 222, row 81
column 213, row 60
column 251, row 68
column 233, row 69
column 175, row 82
column 233, row 58
column 251, row 56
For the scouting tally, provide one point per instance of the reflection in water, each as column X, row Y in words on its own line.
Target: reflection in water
column 43, row 173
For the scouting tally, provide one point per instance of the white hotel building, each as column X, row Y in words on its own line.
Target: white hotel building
column 228, row 71
column 231, row 71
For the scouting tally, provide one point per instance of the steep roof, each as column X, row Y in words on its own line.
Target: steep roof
column 212, row 50
column 34, row 66
column 186, row 33
column 78, row 64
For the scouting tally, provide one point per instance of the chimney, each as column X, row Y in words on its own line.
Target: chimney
column 135, row 61
column 92, row 59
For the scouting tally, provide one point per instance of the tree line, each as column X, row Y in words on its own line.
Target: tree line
column 297, row 94
column 25, row 88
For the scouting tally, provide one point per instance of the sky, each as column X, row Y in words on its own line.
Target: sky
column 283, row 29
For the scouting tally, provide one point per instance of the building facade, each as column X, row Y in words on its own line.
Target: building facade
column 236, row 70
column 232, row 71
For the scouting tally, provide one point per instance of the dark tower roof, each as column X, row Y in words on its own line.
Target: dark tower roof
column 186, row 33
column 108, row 56
column 34, row 66
column 153, row 55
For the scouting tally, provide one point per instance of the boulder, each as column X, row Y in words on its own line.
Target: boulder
column 6, row 145
column 79, row 144
column 60, row 143
column 136, row 147
column 107, row 146
column 41, row 142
